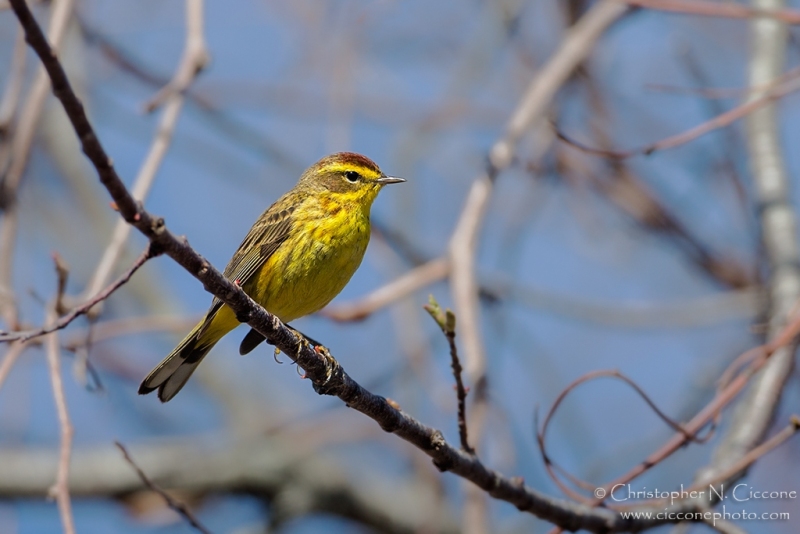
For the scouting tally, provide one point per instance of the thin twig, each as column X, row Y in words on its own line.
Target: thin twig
column 60, row 489
column 446, row 320
column 174, row 504
column 541, row 432
column 77, row 311
column 11, row 356
column 777, row 92
column 62, row 275
column 717, row 9
column 105, row 330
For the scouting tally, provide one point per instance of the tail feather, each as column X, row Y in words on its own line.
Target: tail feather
column 250, row 341
column 178, row 378
column 171, row 374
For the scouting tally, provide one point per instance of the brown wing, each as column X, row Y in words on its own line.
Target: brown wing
column 261, row 242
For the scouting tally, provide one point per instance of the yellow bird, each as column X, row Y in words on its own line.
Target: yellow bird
column 298, row 255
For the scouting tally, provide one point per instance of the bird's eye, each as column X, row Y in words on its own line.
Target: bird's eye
column 352, row 176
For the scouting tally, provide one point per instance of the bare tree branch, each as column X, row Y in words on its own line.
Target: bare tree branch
column 782, row 86
column 447, row 322
column 754, row 413
column 64, row 320
column 60, row 490
column 176, row 505
column 718, row 9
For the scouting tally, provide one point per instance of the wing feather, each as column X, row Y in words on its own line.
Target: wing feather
column 260, row 243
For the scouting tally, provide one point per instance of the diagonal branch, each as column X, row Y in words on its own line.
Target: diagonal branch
column 176, row 505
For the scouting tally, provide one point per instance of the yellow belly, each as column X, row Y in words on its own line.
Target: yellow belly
column 306, row 273
column 307, row 270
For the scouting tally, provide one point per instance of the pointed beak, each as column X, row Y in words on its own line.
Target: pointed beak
column 384, row 180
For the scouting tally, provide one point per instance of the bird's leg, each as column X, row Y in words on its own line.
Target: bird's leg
column 333, row 367
column 305, row 341
column 313, row 342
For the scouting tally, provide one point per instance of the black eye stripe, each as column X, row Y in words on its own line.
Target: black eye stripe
column 351, row 176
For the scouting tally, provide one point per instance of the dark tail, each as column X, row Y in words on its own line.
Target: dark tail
column 171, row 374
column 254, row 339
column 250, row 341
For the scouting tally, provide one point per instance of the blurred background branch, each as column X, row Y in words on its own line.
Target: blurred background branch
column 756, row 410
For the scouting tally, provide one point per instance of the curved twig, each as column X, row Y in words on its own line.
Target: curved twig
column 778, row 91
column 541, row 433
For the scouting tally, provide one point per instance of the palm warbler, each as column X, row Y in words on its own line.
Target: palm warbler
column 298, row 255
